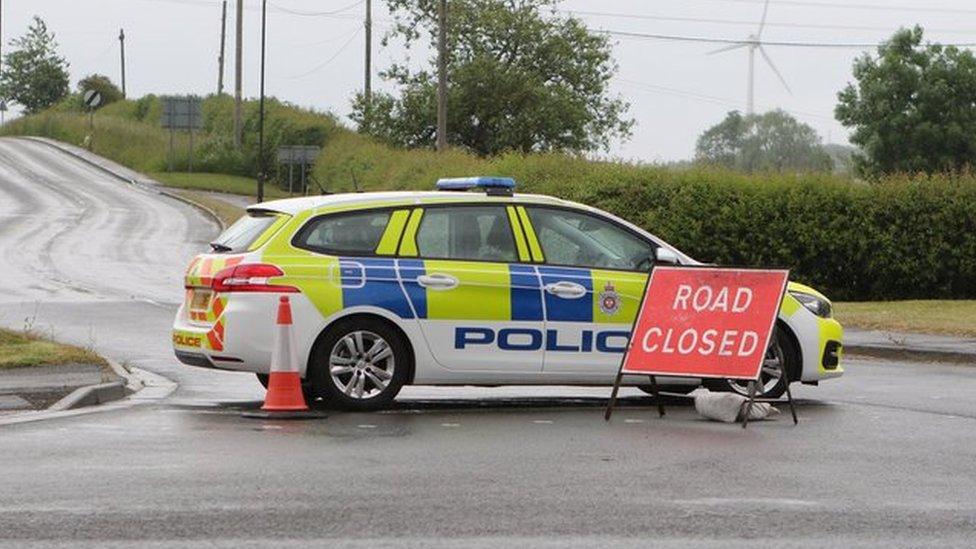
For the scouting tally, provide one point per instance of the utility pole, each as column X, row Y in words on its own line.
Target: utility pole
column 1, row 39
column 261, row 167
column 223, row 40
column 238, row 63
column 442, row 76
column 3, row 100
column 368, row 84
column 122, row 56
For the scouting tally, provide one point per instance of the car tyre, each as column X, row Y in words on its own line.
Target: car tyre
column 360, row 364
column 781, row 362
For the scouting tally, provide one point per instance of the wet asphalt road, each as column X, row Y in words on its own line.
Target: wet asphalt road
column 884, row 456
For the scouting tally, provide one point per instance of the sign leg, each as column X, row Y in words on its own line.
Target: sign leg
column 789, row 396
column 171, row 152
column 613, row 396
column 748, row 408
column 657, row 396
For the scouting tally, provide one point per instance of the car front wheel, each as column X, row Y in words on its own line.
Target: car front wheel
column 781, row 357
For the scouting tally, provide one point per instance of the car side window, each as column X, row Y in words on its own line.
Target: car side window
column 473, row 233
column 583, row 240
column 355, row 233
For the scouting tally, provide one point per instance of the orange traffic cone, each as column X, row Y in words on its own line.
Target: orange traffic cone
column 284, row 383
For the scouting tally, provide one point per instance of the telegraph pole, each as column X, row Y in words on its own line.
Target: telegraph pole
column 122, row 56
column 223, row 40
column 368, row 85
column 261, row 167
column 3, row 100
column 442, row 76
column 238, row 63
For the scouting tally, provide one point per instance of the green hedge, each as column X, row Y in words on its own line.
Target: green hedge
column 902, row 238
column 129, row 132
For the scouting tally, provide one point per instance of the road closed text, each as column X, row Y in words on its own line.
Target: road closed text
column 706, row 343
column 704, row 298
column 705, row 321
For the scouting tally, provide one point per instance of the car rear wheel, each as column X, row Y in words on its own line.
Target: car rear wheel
column 781, row 357
column 361, row 364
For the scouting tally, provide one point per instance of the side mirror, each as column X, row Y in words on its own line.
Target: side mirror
column 665, row 256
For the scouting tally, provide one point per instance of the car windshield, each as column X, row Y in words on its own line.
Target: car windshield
column 244, row 232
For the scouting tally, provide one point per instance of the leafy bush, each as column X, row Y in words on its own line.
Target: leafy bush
column 907, row 237
column 900, row 238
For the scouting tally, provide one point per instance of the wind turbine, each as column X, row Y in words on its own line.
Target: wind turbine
column 754, row 43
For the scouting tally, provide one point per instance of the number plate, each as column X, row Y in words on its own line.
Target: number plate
column 200, row 301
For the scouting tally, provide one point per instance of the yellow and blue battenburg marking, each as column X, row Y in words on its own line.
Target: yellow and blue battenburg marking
column 374, row 282
column 392, row 284
column 568, row 310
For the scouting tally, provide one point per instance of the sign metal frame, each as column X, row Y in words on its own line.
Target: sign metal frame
column 653, row 375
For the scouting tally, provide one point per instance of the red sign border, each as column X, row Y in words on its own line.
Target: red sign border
column 640, row 312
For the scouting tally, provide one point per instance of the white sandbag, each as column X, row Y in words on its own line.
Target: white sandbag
column 729, row 407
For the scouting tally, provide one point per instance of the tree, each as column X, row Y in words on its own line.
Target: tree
column 103, row 85
column 519, row 79
column 34, row 75
column 770, row 141
column 913, row 108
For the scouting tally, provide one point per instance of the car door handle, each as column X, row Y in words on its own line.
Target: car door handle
column 437, row 281
column 566, row 289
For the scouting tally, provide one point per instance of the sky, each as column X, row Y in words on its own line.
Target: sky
column 675, row 88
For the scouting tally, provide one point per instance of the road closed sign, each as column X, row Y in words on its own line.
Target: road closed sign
column 705, row 322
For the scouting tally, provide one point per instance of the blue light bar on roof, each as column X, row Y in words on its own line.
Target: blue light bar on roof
column 483, row 182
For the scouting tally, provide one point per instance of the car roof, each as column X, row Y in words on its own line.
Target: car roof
column 346, row 201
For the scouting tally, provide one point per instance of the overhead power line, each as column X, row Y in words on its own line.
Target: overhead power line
column 743, row 22
column 305, row 13
column 857, row 6
column 325, row 63
column 709, row 40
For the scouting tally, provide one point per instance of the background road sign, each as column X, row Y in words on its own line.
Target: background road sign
column 298, row 154
column 705, row 322
column 92, row 99
column 182, row 113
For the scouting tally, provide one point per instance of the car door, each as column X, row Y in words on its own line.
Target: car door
column 479, row 307
column 593, row 276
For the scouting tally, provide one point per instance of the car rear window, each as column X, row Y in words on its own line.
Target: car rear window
column 244, row 232
column 356, row 233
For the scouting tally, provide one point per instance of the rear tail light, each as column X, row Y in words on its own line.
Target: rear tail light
column 249, row 278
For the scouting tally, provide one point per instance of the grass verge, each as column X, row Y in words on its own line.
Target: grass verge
column 20, row 349
column 219, row 182
column 227, row 212
column 930, row 317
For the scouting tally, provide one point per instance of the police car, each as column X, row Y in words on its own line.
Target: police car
column 470, row 284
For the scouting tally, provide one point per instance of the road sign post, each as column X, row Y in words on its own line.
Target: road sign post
column 183, row 113
column 92, row 99
column 703, row 322
column 301, row 156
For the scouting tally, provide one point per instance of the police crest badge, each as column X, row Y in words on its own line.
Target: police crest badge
column 609, row 300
